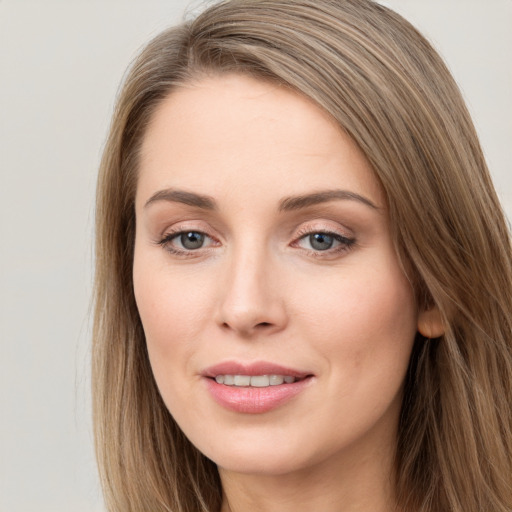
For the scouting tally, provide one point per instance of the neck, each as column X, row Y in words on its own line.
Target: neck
column 340, row 484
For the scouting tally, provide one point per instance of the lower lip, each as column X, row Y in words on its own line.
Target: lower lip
column 254, row 400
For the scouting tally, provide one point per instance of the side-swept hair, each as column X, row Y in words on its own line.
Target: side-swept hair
column 390, row 91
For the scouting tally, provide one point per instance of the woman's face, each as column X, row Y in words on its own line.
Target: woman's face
column 278, row 321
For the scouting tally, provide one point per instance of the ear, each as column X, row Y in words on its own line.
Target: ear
column 430, row 323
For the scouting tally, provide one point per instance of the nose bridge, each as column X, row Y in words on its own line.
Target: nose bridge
column 250, row 300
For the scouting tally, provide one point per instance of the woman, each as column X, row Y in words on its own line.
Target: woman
column 304, row 277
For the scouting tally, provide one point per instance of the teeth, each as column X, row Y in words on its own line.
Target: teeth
column 242, row 380
column 229, row 380
column 260, row 381
column 275, row 380
column 256, row 381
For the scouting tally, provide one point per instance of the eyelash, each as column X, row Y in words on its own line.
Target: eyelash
column 166, row 242
column 345, row 243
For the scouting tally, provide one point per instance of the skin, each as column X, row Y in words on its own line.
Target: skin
column 257, row 290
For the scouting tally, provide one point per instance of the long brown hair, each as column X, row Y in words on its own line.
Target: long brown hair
column 390, row 91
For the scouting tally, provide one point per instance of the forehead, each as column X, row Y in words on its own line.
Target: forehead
column 236, row 132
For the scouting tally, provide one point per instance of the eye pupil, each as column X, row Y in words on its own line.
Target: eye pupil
column 321, row 241
column 192, row 240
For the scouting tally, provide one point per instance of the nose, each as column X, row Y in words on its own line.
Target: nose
column 252, row 300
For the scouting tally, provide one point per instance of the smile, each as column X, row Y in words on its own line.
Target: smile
column 256, row 381
column 256, row 387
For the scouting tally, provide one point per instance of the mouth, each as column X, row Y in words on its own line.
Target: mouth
column 255, row 387
column 258, row 374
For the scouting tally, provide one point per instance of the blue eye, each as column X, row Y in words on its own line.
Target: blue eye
column 321, row 241
column 183, row 242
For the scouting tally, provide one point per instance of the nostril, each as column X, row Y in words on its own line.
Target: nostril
column 264, row 324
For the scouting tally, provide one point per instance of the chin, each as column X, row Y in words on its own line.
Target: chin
column 267, row 452
column 267, row 463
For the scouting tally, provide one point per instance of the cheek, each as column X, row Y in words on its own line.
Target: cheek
column 358, row 301
column 364, row 322
column 364, row 330
column 166, row 308
column 172, row 308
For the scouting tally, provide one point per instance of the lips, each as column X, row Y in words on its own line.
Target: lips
column 254, row 368
column 254, row 388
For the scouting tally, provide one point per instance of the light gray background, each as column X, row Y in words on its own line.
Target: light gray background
column 60, row 66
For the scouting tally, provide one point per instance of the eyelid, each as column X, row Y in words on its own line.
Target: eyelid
column 323, row 227
column 185, row 225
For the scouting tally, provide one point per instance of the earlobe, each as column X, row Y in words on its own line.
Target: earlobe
column 430, row 323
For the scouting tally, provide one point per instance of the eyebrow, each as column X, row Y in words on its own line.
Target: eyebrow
column 304, row 201
column 181, row 196
column 287, row 204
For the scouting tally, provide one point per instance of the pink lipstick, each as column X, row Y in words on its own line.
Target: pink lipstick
column 254, row 388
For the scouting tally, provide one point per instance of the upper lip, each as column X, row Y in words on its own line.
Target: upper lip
column 252, row 368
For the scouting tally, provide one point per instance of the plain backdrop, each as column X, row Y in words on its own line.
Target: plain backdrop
column 61, row 62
